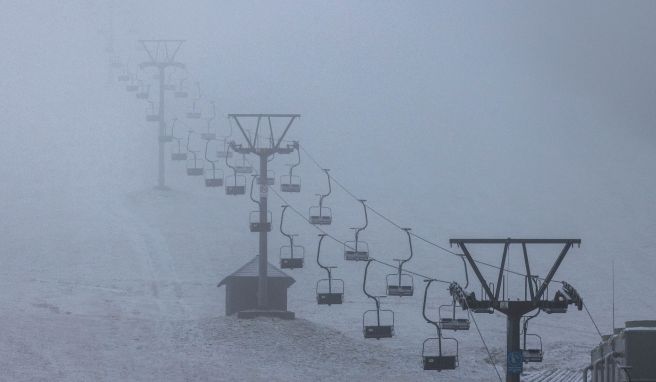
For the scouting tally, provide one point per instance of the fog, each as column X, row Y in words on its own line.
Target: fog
column 458, row 119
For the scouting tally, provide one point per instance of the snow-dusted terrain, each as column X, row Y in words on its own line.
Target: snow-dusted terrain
column 450, row 130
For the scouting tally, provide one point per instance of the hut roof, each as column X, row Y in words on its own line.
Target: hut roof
column 251, row 269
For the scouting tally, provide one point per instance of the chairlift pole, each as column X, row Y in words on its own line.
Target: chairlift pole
column 264, row 153
column 513, row 310
column 161, row 54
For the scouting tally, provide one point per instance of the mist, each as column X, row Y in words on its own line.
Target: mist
column 457, row 119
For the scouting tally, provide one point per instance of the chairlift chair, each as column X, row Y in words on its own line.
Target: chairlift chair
column 209, row 134
column 132, row 86
column 194, row 164
column 270, row 178
column 254, row 222
column 533, row 354
column 401, row 284
column 244, row 167
column 213, row 176
column 235, row 184
column 291, row 182
column 180, row 92
column 178, row 154
column 151, row 116
column 358, row 250
column 125, row 76
column 329, row 291
column 144, row 91
column 437, row 360
column 371, row 328
column 195, row 114
column 320, row 215
column 452, row 322
column 291, row 256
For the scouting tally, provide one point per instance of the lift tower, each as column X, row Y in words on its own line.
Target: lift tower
column 161, row 54
column 514, row 310
column 264, row 145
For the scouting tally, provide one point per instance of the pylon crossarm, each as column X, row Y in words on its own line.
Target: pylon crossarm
column 552, row 272
column 477, row 271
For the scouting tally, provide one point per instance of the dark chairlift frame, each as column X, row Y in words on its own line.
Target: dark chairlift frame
column 320, row 215
column 400, row 288
column 194, row 169
column 211, row 178
column 289, row 259
column 291, row 182
column 238, row 186
column 334, row 293
column 376, row 331
column 358, row 250
column 437, row 361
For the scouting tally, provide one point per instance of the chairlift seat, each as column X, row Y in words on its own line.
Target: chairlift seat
column 258, row 227
column 290, row 187
column 181, row 94
column 235, row 190
column 178, row 156
column 291, row 263
column 454, row 323
column 270, row 181
column 195, row 171
column 224, row 154
column 330, row 298
column 152, row 118
column 554, row 306
column 532, row 355
column 488, row 310
column 351, row 254
column 445, row 362
column 243, row 169
column 321, row 220
column 208, row 136
column 400, row 290
column 193, row 115
column 378, row 332
column 214, row 182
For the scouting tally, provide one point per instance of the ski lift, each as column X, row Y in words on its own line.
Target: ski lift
column 320, row 215
column 291, row 256
column 533, row 354
column 194, row 167
column 132, row 86
column 452, row 322
column 177, row 154
column 374, row 329
column 195, row 114
column 169, row 86
column 115, row 63
column 209, row 134
column 270, row 178
column 358, row 250
column 254, row 220
column 180, row 92
column 144, row 91
column 235, row 184
column 224, row 152
column 291, row 182
column 167, row 137
column 436, row 360
column 329, row 291
column 213, row 177
column 151, row 116
column 399, row 283
column 244, row 167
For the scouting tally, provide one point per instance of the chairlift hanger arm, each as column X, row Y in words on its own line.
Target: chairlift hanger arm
column 282, row 231
column 252, row 198
column 364, row 285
